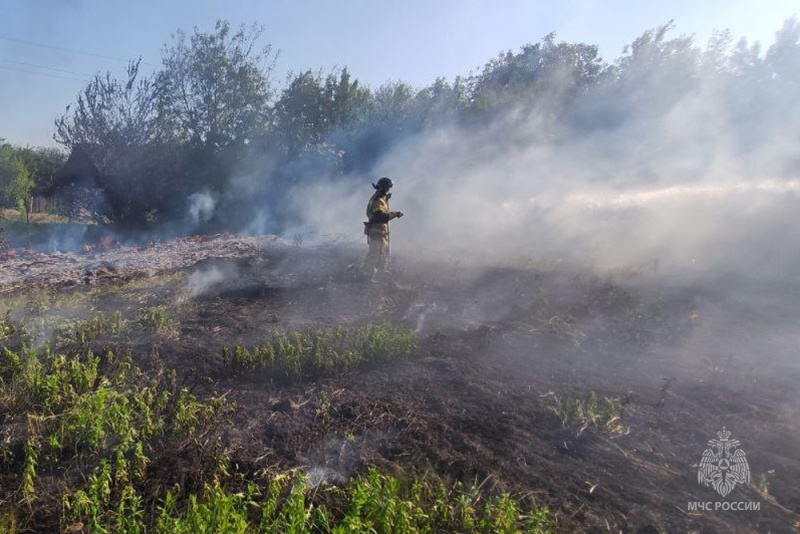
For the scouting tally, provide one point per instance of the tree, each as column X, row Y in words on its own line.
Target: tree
column 214, row 88
column 346, row 102
column 21, row 186
column 300, row 114
column 393, row 103
column 783, row 57
column 120, row 126
column 112, row 114
column 17, row 176
column 545, row 74
column 313, row 114
column 156, row 139
column 6, row 154
column 654, row 73
column 45, row 162
column 441, row 103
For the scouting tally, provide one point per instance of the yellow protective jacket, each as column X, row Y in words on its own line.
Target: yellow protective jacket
column 378, row 215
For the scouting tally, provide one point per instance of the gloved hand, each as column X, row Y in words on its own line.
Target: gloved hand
column 398, row 214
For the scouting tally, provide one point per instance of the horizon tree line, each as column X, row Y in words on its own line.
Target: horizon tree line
column 213, row 112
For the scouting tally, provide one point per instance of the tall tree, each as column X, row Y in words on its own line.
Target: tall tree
column 393, row 104
column 441, row 103
column 215, row 87
column 548, row 74
column 120, row 126
column 655, row 72
column 314, row 114
column 346, row 102
column 300, row 114
column 111, row 114
column 783, row 57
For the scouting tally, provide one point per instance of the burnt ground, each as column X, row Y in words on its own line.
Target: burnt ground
column 499, row 347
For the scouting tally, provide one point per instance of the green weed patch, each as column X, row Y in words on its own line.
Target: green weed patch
column 287, row 503
column 323, row 351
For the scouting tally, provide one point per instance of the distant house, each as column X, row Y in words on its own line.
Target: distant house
column 77, row 190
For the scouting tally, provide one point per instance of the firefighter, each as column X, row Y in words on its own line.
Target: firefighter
column 377, row 229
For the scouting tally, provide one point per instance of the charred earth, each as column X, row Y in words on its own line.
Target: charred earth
column 252, row 382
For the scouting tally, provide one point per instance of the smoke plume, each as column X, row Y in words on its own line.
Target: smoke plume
column 702, row 178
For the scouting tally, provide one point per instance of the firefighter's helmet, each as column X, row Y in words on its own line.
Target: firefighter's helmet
column 384, row 183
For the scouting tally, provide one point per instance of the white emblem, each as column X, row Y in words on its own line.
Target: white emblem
column 722, row 467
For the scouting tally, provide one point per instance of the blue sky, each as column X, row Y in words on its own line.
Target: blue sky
column 66, row 41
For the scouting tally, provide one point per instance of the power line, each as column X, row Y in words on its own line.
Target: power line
column 46, row 68
column 70, row 50
column 43, row 74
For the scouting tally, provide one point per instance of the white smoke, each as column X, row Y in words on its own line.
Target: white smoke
column 697, row 184
column 201, row 206
column 203, row 280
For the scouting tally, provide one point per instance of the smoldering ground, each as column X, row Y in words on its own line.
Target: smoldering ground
column 692, row 203
column 498, row 345
column 645, row 259
column 675, row 181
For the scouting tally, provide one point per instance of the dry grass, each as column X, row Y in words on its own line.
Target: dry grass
column 13, row 215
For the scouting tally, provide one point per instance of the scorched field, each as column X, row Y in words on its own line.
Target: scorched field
column 232, row 384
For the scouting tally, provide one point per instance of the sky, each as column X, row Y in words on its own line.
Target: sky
column 49, row 49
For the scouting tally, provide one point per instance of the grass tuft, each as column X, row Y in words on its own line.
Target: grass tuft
column 320, row 352
column 591, row 412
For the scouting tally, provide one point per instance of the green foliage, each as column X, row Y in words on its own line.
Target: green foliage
column 29, row 472
column 652, row 62
column 544, row 73
column 103, row 415
column 20, row 170
column 212, row 107
column 159, row 320
column 591, row 413
column 323, row 351
column 8, row 521
column 214, row 89
column 191, row 413
column 215, row 510
column 8, row 328
column 45, row 162
column 91, row 407
column 76, row 335
column 370, row 503
column 21, row 185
